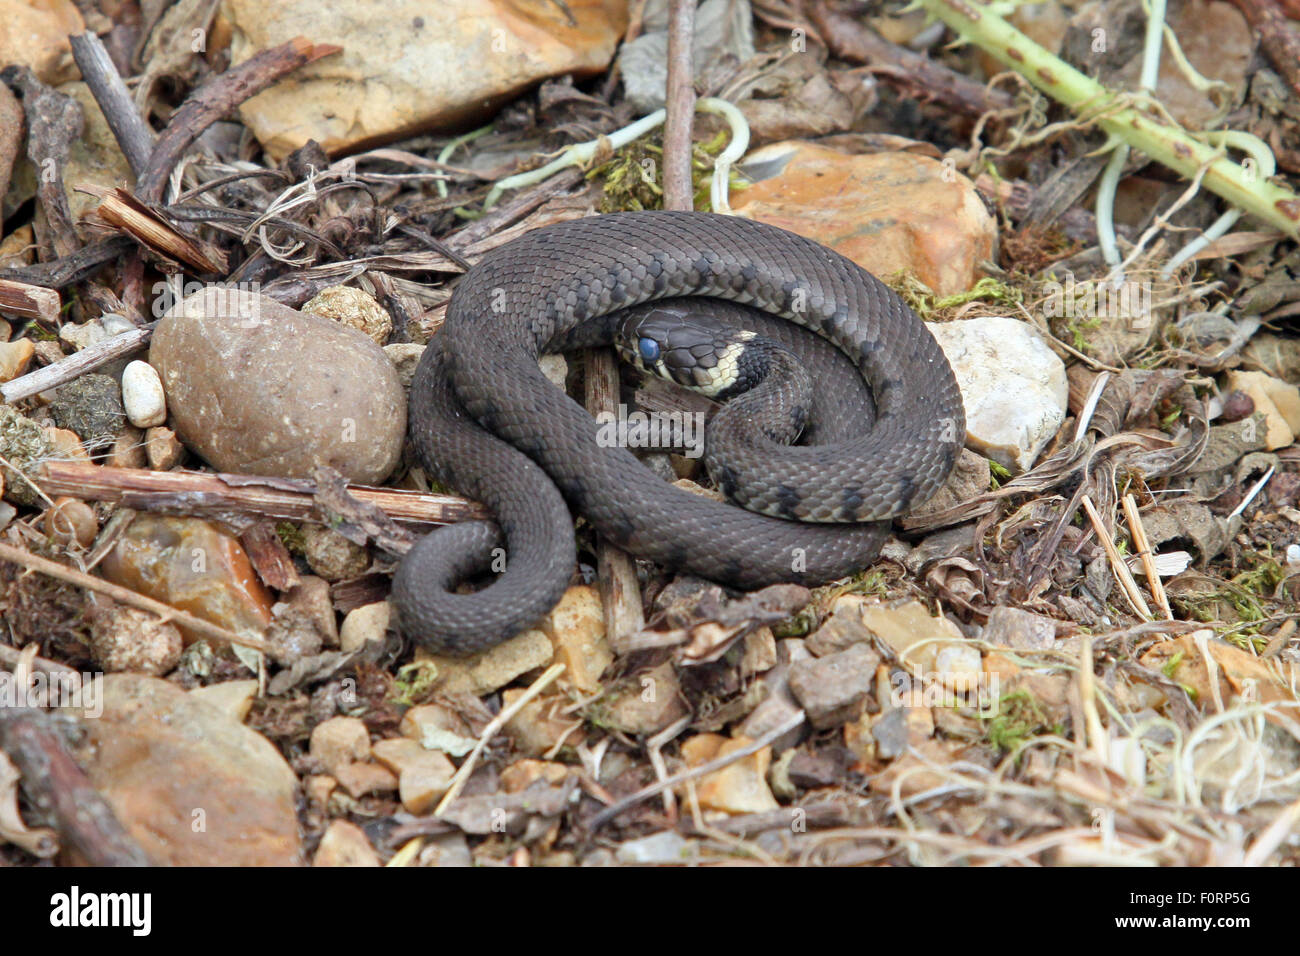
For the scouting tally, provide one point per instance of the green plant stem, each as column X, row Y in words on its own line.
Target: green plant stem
column 1165, row 142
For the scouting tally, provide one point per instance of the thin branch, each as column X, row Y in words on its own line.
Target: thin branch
column 680, row 99
column 609, row 813
column 129, row 128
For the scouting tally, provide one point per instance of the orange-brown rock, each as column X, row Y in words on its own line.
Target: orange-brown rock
column 192, row 786
column 885, row 211
column 192, row 565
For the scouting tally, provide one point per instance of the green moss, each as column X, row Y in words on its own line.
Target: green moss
column 1020, row 716
column 926, row 304
column 290, row 536
column 633, row 177
column 413, row 683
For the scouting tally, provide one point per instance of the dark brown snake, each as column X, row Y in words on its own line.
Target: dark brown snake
column 485, row 421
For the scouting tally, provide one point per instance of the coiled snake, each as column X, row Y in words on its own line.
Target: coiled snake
column 485, row 421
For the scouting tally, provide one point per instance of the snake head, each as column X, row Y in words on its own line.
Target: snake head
column 683, row 344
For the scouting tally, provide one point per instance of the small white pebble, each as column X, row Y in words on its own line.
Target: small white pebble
column 142, row 395
column 1293, row 554
column 115, row 324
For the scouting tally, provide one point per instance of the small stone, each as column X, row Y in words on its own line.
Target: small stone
column 555, row 368
column 494, row 668
column 17, row 249
column 897, row 729
column 127, row 450
column 48, row 352
column 319, row 788
column 522, row 774
column 576, row 627
column 833, row 689
column 423, row 776
column 354, row 308
column 90, row 406
column 760, row 652
column 332, row 556
column 644, row 703
column 162, row 448
column 125, row 638
column 71, row 519
column 541, row 725
column 232, row 697
column 82, row 335
column 311, row 598
column 345, row 844
column 772, row 713
column 740, row 787
column 167, row 762
column 14, row 358
column 666, row 846
column 842, row 629
column 254, row 386
column 340, row 741
column 142, row 395
column 959, row 667
column 811, row 771
column 35, row 35
column 1236, row 406
column 910, row 631
column 362, row 624
column 1019, row 630
column 361, row 779
column 438, row 728
column 1013, row 385
column 405, row 357
column 447, row 849
column 1277, row 401
column 192, row 565
column 66, row 444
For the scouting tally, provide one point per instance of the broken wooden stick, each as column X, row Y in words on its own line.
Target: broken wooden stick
column 218, row 495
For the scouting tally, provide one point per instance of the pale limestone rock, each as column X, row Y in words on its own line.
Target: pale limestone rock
column 738, row 788
column 366, row 623
column 232, row 697
column 492, row 669
column 576, row 627
column 423, row 776
column 417, row 67
column 34, row 33
column 1012, row 384
column 15, row 356
column 1277, row 401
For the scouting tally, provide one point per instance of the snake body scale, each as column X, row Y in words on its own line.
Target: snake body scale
column 485, row 421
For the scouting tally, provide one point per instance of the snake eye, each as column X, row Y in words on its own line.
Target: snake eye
column 649, row 350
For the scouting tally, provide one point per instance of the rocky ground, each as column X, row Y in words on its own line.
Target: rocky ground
column 1083, row 651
